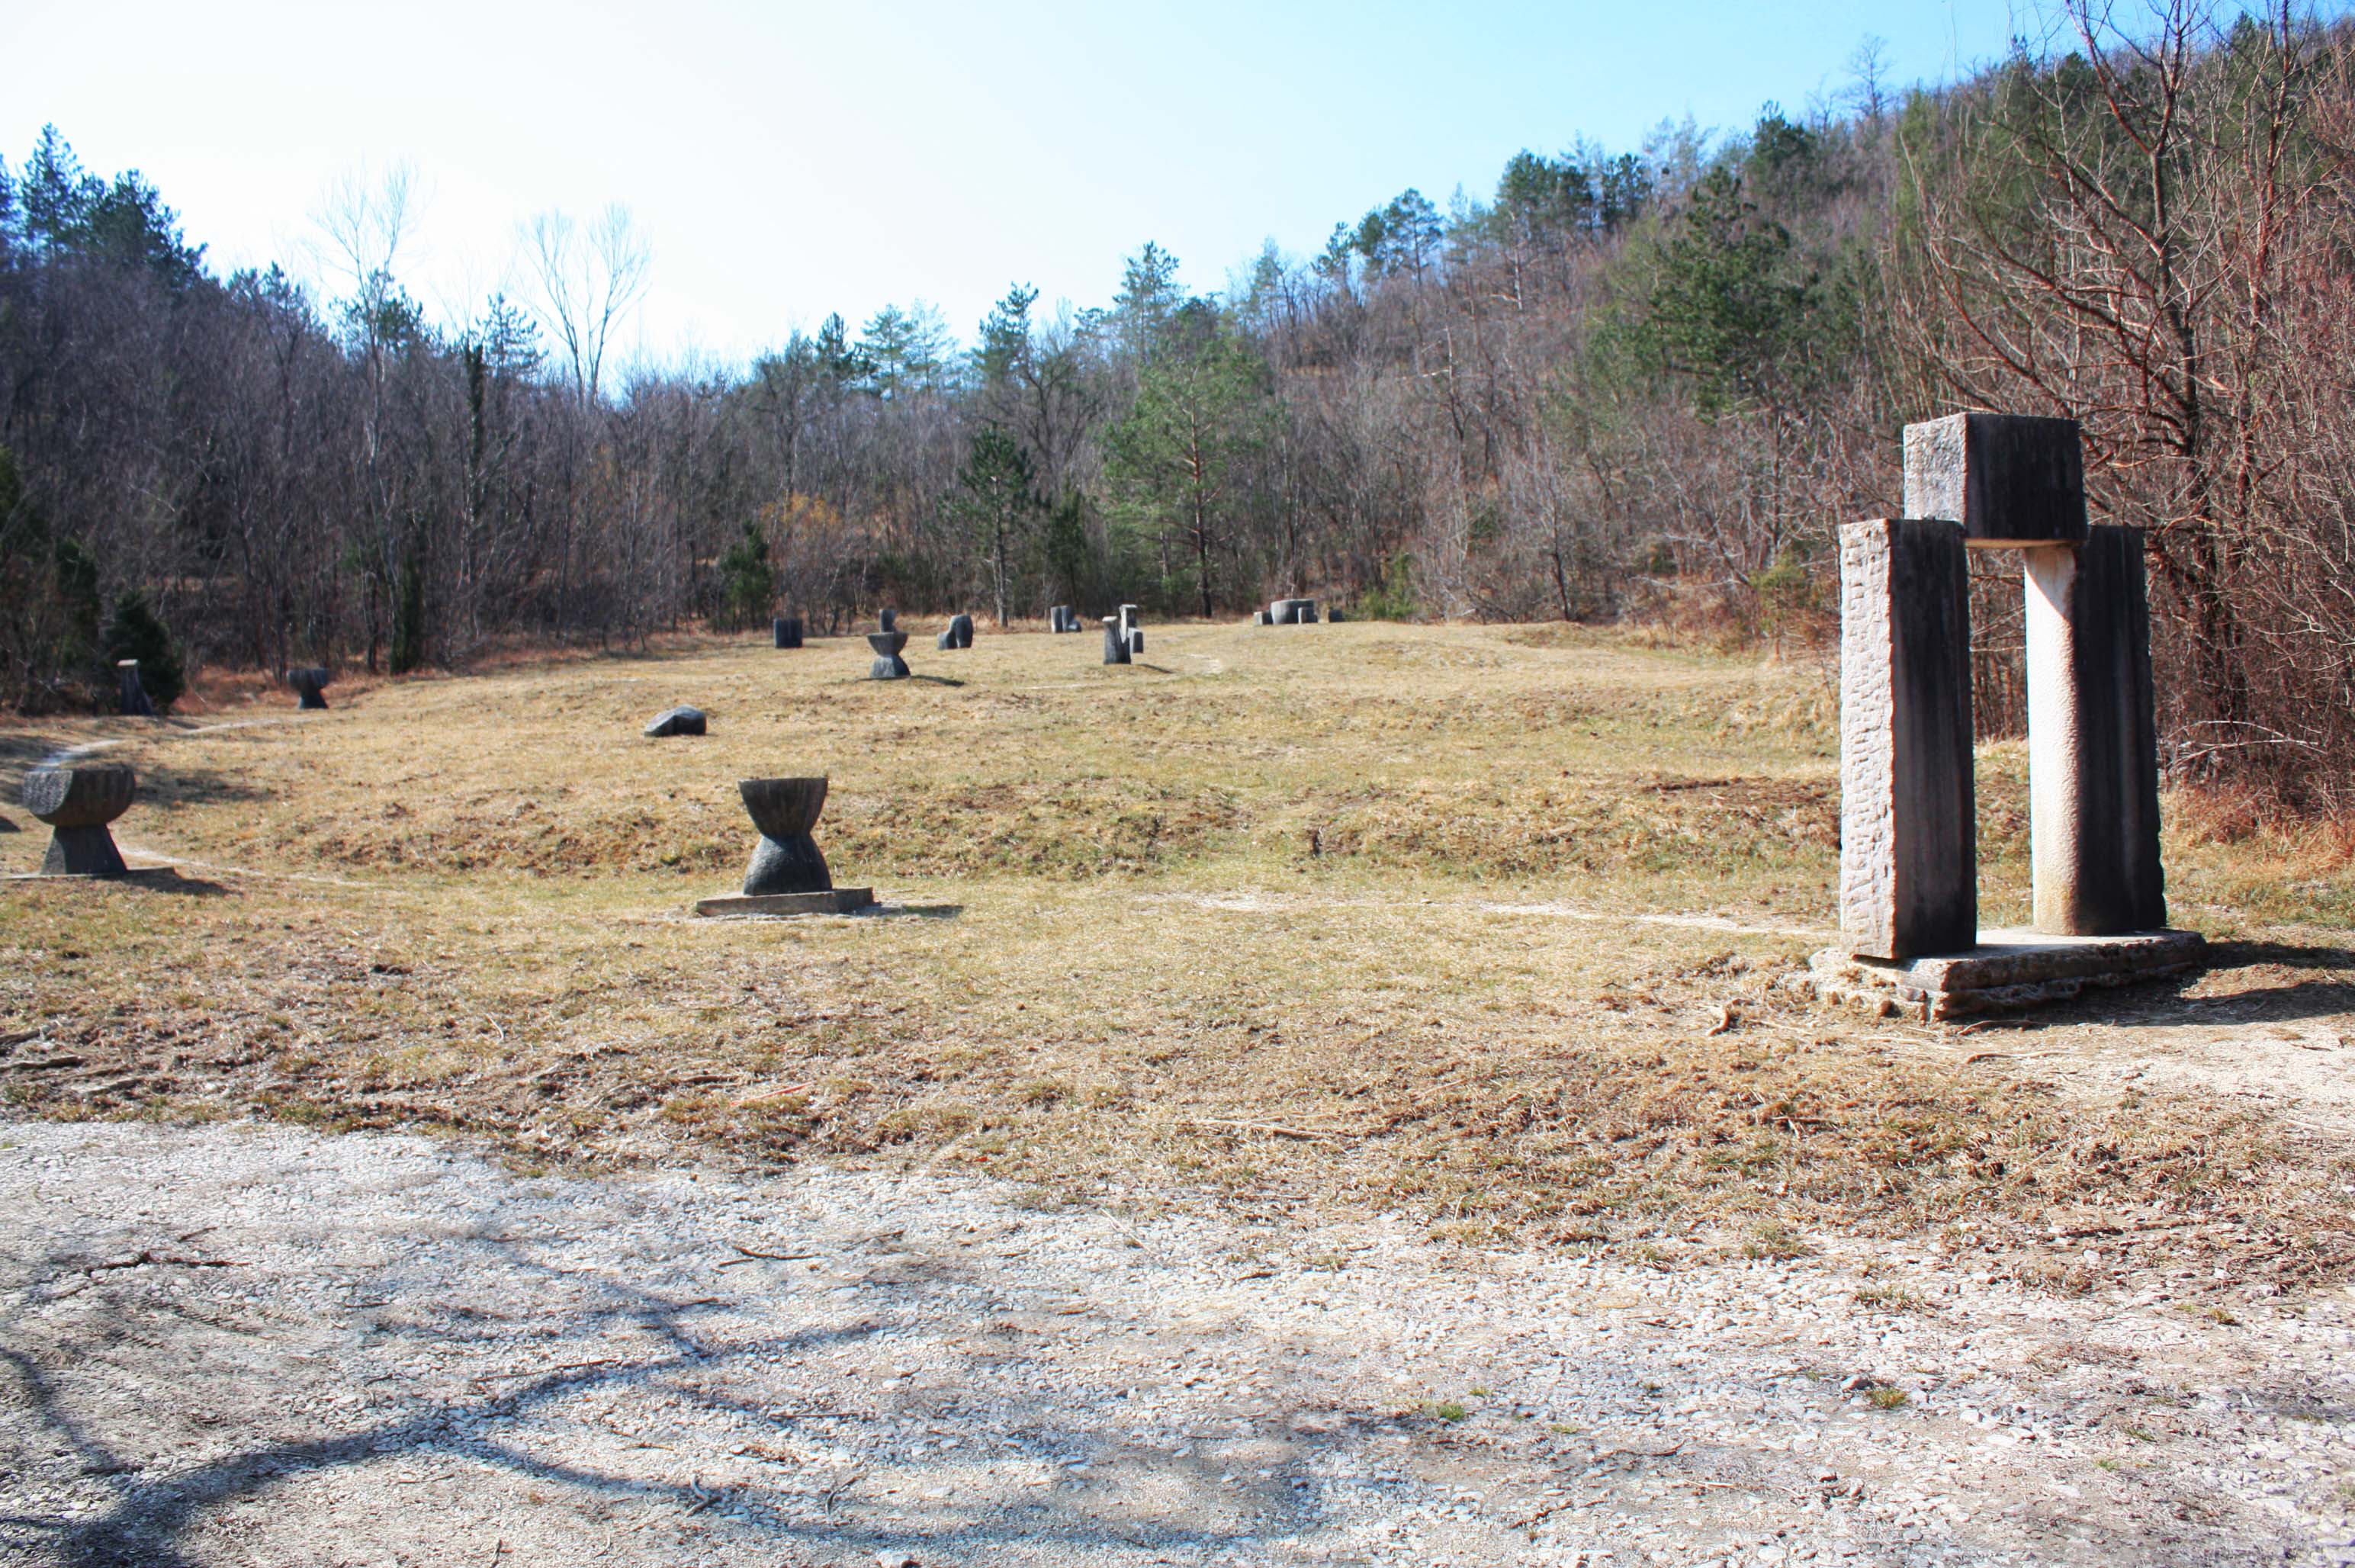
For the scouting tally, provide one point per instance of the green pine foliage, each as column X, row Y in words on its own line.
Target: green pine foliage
column 136, row 632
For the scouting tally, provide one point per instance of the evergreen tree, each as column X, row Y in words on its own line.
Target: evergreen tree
column 136, row 632
column 998, row 498
column 748, row 584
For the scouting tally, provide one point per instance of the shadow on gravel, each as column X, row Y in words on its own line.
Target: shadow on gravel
column 158, row 1507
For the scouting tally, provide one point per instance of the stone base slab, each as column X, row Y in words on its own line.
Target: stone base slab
column 136, row 875
column 771, row 906
column 2006, row 971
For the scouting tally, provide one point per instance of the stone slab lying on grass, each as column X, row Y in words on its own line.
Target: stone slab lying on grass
column 2007, row 970
column 771, row 906
column 679, row 721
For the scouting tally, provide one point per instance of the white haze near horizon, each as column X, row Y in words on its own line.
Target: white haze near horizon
column 785, row 161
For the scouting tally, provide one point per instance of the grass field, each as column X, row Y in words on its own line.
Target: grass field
column 1494, row 926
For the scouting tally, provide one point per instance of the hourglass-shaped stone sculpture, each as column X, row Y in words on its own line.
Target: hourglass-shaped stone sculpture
column 788, row 875
column 78, row 803
column 887, row 644
column 309, row 681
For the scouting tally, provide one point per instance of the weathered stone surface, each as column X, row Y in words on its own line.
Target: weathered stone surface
column 134, row 698
column 309, row 682
column 787, row 630
column 679, row 721
column 2004, row 970
column 889, row 620
column 1116, row 644
column 1292, row 612
column 786, row 859
column 945, row 641
column 960, row 631
column 78, row 803
column 2010, row 479
column 2092, row 739
column 1130, row 632
column 1909, row 881
column 887, row 665
column 1335, row 616
column 1262, row 618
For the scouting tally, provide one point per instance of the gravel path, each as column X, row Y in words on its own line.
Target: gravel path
column 243, row 1344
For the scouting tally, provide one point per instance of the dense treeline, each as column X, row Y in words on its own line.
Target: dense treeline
column 1624, row 381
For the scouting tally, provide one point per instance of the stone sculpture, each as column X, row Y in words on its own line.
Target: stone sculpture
column 1131, row 631
column 1291, row 612
column 960, row 631
column 309, row 682
column 1116, row 644
column 679, row 721
column 887, row 644
column 788, row 875
column 787, row 629
column 134, row 699
column 1062, row 618
column 79, row 802
column 1909, row 875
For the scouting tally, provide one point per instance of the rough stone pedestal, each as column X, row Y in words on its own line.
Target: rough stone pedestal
column 2004, row 971
column 309, row 683
column 1909, row 874
column 1115, row 644
column 2092, row 739
column 135, row 700
column 787, row 630
column 788, row 875
column 1292, row 612
column 2010, row 479
column 79, row 802
column 679, row 721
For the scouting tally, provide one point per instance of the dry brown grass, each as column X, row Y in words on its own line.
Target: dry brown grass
column 1340, row 916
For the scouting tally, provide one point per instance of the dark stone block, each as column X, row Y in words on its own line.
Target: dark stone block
column 786, row 859
column 788, row 631
column 2008, row 478
column 960, row 633
column 309, row 682
column 1116, row 644
column 679, row 721
column 79, row 802
column 889, row 620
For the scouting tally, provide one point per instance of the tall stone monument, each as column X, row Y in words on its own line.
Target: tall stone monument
column 1909, row 868
column 787, row 630
column 135, row 700
column 1115, row 642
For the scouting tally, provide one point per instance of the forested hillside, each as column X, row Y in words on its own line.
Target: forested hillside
column 1627, row 381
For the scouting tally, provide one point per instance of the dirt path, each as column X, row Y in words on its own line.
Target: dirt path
column 241, row 1344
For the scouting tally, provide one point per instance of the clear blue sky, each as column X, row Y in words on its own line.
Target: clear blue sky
column 790, row 159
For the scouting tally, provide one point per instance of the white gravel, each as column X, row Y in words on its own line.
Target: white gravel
column 243, row 1344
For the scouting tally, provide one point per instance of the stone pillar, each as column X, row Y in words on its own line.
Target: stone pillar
column 1909, row 874
column 2092, row 739
column 1115, row 644
column 788, row 631
column 134, row 691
